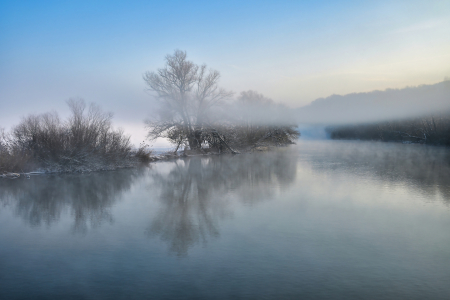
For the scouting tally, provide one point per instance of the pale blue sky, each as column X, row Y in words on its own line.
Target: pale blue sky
column 291, row 51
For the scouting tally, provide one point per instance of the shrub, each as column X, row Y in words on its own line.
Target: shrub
column 144, row 154
column 44, row 140
column 12, row 159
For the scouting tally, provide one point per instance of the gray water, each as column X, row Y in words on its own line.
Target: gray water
column 320, row 220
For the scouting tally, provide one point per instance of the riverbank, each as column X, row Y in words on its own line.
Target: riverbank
column 138, row 159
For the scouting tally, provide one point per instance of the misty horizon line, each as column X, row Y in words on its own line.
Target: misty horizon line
column 352, row 108
column 379, row 105
column 446, row 79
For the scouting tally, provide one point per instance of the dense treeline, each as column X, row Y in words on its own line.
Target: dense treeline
column 85, row 141
column 432, row 129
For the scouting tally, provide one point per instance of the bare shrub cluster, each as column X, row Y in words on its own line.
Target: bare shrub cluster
column 144, row 154
column 85, row 139
column 432, row 129
column 11, row 158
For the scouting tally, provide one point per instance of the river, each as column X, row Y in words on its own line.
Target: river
column 318, row 220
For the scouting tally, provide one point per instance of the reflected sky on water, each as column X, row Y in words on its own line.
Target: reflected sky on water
column 322, row 220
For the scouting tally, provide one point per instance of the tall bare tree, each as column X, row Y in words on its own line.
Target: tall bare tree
column 186, row 93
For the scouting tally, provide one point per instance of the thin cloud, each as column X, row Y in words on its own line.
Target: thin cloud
column 422, row 26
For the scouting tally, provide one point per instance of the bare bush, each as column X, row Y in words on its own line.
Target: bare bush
column 12, row 158
column 144, row 154
column 87, row 137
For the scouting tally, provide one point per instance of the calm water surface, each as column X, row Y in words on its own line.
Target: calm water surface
column 320, row 220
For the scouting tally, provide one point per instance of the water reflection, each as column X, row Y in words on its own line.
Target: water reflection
column 196, row 193
column 42, row 200
column 424, row 168
column 324, row 218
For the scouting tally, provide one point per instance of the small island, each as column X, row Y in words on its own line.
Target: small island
column 193, row 114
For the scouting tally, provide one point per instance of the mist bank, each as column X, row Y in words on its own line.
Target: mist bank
column 356, row 108
column 432, row 129
column 378, row 106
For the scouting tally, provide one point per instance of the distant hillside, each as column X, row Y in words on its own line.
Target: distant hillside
column 391, row 104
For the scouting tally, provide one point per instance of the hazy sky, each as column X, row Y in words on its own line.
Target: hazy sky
column 291, row 51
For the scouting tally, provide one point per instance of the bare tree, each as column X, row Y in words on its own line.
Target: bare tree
column 186, row 92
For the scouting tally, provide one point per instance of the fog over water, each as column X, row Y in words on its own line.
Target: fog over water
column 318, row 220
column 387, row 105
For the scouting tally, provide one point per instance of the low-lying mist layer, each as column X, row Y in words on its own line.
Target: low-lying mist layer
column 376, row 106
column 432, row 129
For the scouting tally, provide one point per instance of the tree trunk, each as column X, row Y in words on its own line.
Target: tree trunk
column 195, row 139
column 222, row 141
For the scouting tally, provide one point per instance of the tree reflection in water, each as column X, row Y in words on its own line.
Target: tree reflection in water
column 196, row 193
column 88, row 197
